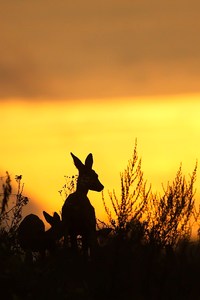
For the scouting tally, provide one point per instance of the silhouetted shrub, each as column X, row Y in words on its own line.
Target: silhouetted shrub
column 170, row 216
column 132, row 203
column 69, row 187
column 11, row 211
column 159, row 220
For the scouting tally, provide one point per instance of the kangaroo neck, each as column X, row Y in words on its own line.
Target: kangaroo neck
column 81, row 190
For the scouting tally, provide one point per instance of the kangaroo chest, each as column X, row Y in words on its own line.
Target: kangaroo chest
column 78, row 213
column 76, row 205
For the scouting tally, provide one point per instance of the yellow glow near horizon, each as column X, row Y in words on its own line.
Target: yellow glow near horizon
column 37, row 138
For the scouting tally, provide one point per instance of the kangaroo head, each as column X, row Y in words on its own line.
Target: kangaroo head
column 56, row 225
column 87, row 176
column 52, row 220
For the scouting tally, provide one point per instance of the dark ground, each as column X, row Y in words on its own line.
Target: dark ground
column 120, row 270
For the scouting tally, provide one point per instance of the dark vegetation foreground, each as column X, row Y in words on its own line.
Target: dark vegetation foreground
column 145, row 248
column 122, row 269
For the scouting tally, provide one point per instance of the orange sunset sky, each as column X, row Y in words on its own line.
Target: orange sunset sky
column 85, row 76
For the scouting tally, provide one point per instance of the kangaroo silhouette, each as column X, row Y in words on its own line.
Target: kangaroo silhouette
column 32, row 236
column 78, row 215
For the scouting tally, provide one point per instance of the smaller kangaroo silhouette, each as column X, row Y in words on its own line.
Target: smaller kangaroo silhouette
column 32, row 236
column 78, row 215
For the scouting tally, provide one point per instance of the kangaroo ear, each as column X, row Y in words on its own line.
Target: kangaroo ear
column 89, row 161
column 56, row 217
column 79, row 165
column 48, row 217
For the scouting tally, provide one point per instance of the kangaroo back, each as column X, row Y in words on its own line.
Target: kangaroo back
column 31, row 233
